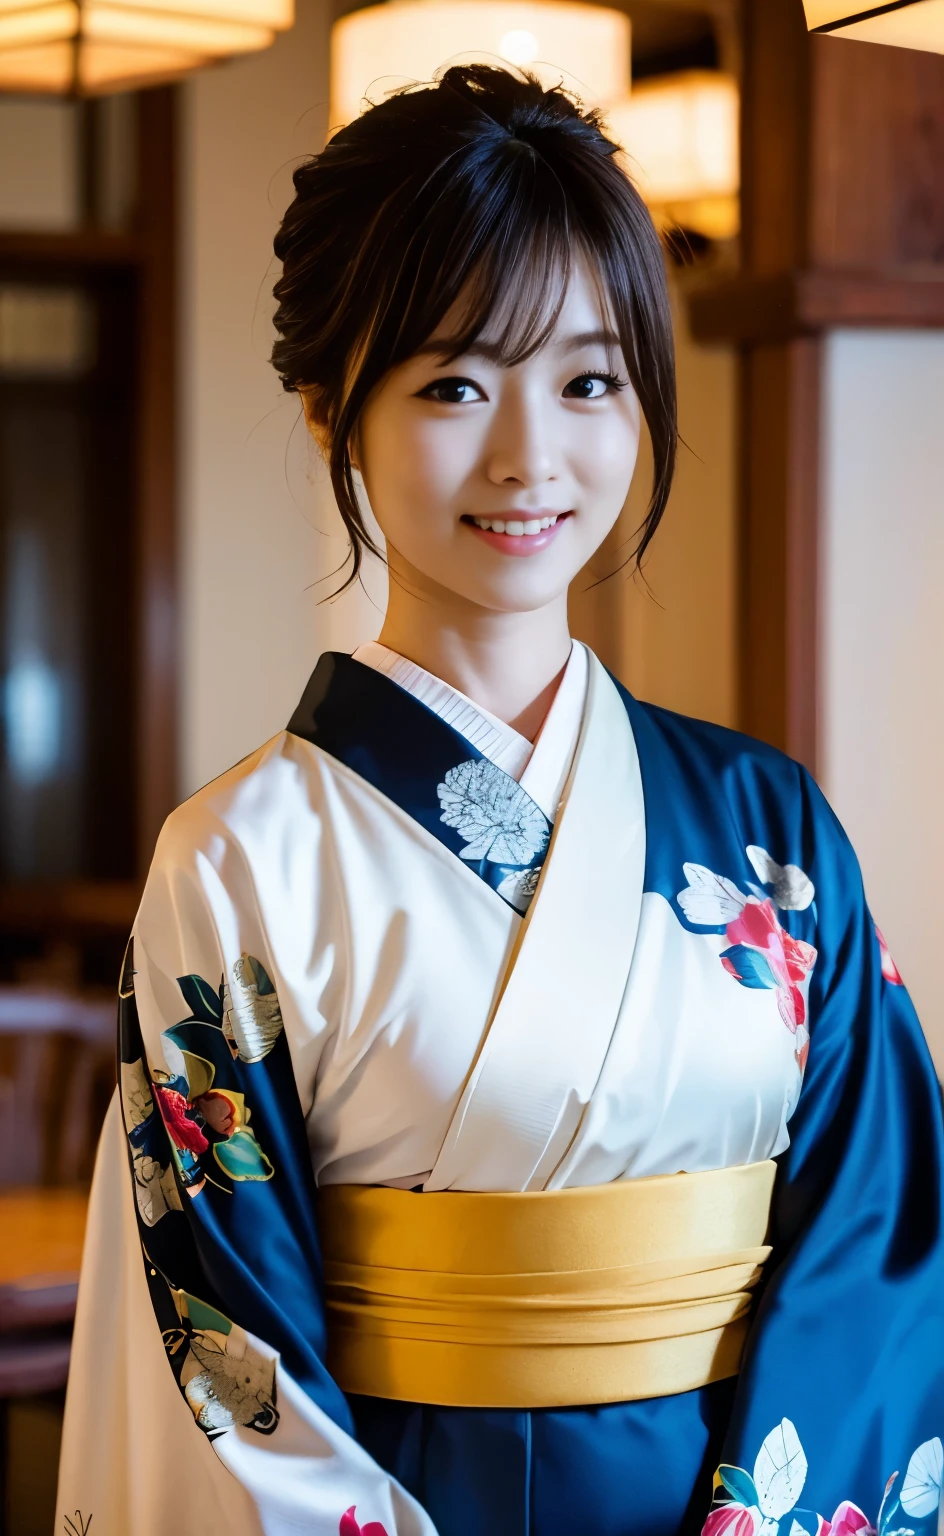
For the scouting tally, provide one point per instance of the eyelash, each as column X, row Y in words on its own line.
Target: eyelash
column 611, row 380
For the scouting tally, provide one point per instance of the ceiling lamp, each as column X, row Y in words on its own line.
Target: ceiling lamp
column 88, row 47
column 680, row 134
column 403, row 41
column 902, row 24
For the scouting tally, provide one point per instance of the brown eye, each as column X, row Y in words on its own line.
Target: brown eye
column 591, row 386
column 452, row 392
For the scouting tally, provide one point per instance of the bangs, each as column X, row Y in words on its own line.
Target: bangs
column 504, row 276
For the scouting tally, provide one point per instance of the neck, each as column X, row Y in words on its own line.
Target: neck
column 509, row 663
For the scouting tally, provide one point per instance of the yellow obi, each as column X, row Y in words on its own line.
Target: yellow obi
column 549, row 1299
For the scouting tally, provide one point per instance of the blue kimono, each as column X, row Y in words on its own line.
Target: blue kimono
column 264, row 1055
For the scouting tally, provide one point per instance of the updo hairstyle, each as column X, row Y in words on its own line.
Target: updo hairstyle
column 483, row 185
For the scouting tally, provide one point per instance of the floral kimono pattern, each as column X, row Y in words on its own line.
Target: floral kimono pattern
column 750, row 893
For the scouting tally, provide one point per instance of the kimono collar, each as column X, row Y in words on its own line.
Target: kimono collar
column 430, row 770
column 541, row 767
column 496, row 740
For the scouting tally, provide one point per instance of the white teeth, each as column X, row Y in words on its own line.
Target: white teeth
column 513, row 527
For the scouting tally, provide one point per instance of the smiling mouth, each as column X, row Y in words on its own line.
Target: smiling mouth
column 517, row 528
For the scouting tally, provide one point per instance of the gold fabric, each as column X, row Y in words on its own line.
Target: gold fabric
column 635, row 1289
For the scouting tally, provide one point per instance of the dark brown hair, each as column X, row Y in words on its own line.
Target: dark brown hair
column 485, row 186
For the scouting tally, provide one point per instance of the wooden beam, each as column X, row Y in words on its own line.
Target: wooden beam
column 776, row 307
column 69, row 907
column 70, row 248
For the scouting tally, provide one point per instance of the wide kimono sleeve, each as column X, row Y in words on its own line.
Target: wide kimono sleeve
column 198, row 1396
column 839, row 1411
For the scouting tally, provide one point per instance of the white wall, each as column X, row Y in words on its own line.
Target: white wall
column 883, row 635
column 256, row 532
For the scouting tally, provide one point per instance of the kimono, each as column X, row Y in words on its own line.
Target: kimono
column 396, row 948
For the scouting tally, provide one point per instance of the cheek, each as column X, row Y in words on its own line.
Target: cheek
column 604, row 453
column 413, row 469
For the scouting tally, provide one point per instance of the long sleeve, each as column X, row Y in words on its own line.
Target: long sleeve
column 840, row 1404
column 200, row 1336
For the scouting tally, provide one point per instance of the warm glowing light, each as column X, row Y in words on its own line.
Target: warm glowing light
column 680, row 134
column 377, row 49
column 906, row 24
column 92, row 46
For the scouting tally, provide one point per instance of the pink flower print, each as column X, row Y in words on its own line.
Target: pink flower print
column 182, row 1130
column 847, row 1521
column 732, row 1520
column 789, row 960
column 889, row 969
column 350, row 1527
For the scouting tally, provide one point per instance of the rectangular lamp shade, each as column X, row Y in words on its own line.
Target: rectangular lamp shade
column 95, row 46
column 680, row 133
column 901, row 24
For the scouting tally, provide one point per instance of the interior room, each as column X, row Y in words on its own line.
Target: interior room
column 170, row 547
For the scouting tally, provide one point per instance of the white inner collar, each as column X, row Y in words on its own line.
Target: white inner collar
column 540, row 768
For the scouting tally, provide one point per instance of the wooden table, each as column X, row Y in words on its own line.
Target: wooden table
column 41, row 1235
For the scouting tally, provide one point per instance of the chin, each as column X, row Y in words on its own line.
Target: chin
column 513, row 596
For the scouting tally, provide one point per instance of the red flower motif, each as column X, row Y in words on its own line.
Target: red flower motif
column 218, row 1110
column 889, row 969
column 350, row 1527
column 731, row 1520
column 847, row 1521
column 790, row 960
column 181, row 1129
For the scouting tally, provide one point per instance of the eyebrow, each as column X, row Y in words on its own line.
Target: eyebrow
column 492, row 351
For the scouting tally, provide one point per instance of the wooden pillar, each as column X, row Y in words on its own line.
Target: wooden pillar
column 156, row 228
column 843, row 225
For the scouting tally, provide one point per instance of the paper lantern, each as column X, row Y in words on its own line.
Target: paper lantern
column 384, row 46
column 680, row 134
column 902, row 24
column 87, row 47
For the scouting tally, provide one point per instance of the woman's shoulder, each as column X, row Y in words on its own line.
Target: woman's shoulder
column 720, row 771
column 244, row 807
column 717, row 748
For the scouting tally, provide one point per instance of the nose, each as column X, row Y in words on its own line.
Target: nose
column 521, row 449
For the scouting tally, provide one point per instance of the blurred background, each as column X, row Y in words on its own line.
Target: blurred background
column 168, row 542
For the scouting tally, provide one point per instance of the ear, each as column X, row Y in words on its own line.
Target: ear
column 310, row 397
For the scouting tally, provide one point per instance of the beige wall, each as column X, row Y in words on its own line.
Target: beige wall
column 671, row 637
column 257, row 527
column 883, row 635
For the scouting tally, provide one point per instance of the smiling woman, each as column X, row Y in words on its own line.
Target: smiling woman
column 457, row 216
column 523, row 1113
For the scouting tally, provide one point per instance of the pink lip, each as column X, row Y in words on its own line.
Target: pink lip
column 522, row 544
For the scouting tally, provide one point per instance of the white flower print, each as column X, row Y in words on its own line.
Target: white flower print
column 793, row 890
column 252, row 1019
column 155, row 1189
column 709, row 899
column 497, row 818
column 519, row 887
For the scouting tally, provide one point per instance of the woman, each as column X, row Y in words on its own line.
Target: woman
column 524, row 1115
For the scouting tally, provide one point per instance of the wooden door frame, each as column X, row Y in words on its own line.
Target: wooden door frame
column 148, row 250
column 842, row 172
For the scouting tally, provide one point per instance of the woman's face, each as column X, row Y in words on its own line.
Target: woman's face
column 498, row 484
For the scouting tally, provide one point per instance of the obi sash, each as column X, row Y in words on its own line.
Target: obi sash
column 635, row 1289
